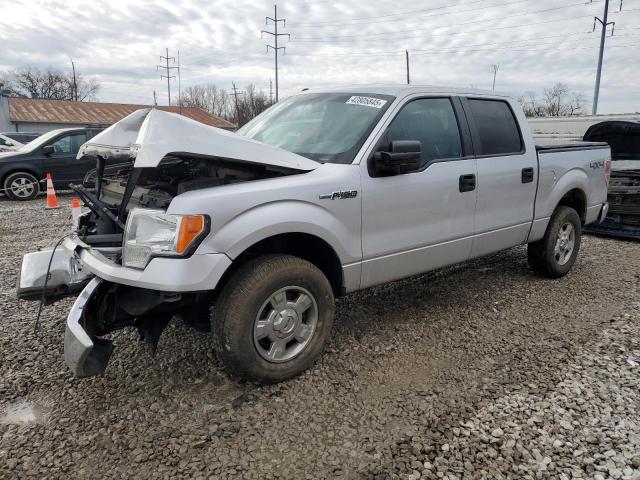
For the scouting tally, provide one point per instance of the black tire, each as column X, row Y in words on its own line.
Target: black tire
column 245, row 297
column 543, row 258
column 12, row 190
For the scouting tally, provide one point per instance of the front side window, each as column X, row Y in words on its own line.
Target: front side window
column 431, row 121
column 496, row 126
column 326, row 127
column 69, row 144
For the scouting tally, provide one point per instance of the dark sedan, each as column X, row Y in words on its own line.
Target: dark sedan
column 22, row 171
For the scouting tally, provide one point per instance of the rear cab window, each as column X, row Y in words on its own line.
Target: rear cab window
column 496, row 127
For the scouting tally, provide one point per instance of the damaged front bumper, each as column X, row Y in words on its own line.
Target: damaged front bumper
column 85, row 354
column 115, row 297
column 50, row 274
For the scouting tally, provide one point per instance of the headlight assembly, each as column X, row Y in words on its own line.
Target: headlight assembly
column 153, row 233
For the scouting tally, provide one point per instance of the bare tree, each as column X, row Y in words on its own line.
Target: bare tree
column 51, row 84
column 557, row 101
column 218, row 102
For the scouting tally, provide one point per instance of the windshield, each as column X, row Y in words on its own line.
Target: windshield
column 326, row 127
column 40, row 141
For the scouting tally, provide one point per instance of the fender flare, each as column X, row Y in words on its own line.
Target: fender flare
column 574, row 179
column 282, row 217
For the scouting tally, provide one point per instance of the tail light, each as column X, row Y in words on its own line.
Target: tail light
column 607, row 171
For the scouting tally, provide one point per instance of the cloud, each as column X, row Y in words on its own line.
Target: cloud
column 332, row 42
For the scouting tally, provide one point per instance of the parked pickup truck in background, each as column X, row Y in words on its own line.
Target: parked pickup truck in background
column 623, row 219
column 54, row 152
column 323, row 194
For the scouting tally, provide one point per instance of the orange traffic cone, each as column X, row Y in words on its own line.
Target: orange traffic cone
column 52, row 200
column 76, row 211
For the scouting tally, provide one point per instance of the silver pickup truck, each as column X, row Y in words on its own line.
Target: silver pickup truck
column 254, row 234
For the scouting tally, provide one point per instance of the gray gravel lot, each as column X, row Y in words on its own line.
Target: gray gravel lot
column 479, row 371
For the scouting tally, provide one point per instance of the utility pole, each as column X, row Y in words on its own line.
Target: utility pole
column 603, row 35
column 275, row 36
column 179, row 89
column 75, row 85
column 235, row 94
column 155, row 101
column 407, row 55
column 494, row 68
column 271, row 91
column 168, row 69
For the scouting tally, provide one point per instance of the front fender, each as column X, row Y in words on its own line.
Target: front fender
column 286, row 216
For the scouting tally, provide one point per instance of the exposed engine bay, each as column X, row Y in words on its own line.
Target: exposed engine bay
column 156, row 187
column 120, row 187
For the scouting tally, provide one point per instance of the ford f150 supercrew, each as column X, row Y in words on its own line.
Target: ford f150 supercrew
column 323, row 194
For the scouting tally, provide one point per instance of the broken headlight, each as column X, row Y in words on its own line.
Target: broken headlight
column 153, row 233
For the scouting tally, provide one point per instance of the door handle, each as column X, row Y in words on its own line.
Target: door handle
column 527, row 175
column 467, row 182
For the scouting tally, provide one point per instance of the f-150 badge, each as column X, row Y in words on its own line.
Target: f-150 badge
column 341, row 195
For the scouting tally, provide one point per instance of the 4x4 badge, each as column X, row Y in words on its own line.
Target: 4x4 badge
column 342, row 194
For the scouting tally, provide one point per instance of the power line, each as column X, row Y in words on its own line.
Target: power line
column 275, row 36
column 458, row 24
column 510, row 43
column 403, row 17
column 168, row 69
column 412, row 12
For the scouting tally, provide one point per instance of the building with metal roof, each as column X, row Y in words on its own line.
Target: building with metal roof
column 41, row 115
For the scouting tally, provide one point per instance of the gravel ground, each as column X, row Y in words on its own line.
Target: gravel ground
column 479, row 371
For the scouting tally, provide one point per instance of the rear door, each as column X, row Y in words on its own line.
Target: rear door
column 62, row 163
column 507, row 175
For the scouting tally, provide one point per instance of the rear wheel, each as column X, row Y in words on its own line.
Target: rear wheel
column 273, row 318
column 21, row 186
column 554, row 255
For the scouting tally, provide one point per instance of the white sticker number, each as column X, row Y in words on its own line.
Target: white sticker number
column 367, row 101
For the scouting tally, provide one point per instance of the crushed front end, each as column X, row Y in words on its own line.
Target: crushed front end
column 136, row 264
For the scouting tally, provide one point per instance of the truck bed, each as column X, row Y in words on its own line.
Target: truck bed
column 571, row 147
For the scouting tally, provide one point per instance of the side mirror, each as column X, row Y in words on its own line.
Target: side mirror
column 404, row 156
column 48, row 150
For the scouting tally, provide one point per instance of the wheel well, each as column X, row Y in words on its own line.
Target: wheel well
column 17, row 170
column 577, row 200
column 302, row 245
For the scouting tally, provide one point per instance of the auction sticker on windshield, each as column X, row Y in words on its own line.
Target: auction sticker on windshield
column 366, row 101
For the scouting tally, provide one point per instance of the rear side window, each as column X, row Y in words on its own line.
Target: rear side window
column 496, row 126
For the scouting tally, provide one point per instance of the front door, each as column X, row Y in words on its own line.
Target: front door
column 415, row 222
column 62, row 163
column 507, row 176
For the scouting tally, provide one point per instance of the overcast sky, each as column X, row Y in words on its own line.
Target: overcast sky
column 535, row 43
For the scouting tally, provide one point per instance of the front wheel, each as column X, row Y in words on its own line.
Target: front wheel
column 554, row 255
column 273, row 318
column 21, row 186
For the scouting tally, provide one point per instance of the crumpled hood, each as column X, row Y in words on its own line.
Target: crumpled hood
column 148, row 135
